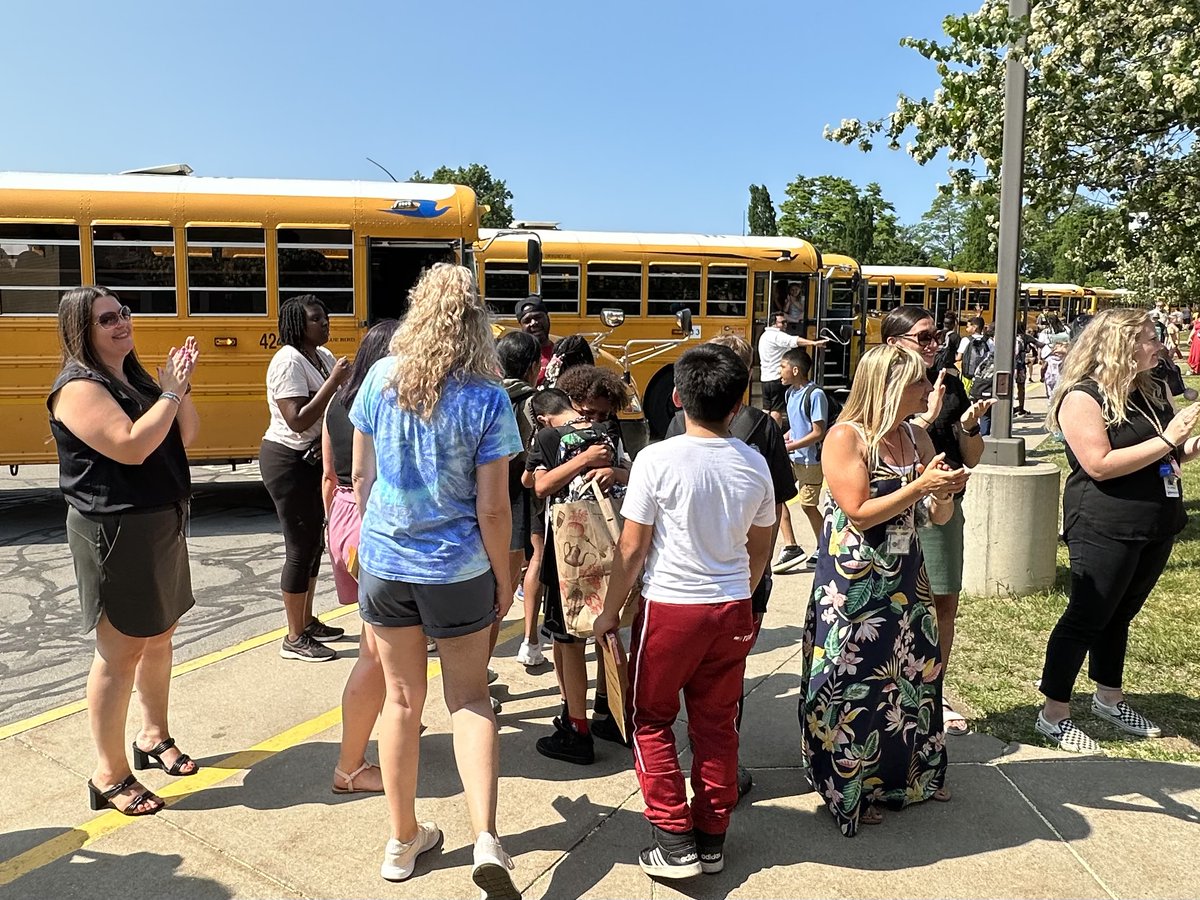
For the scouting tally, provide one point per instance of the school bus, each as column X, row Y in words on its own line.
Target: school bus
column 725, row 283
column 1045, row 298
column 210, row 257
column 934, row 288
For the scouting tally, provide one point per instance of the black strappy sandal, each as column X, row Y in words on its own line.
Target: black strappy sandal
column 152, row 759
column 99, row 799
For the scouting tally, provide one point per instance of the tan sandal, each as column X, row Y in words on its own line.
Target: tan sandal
column 872, row 815
column 349, row 778
column 942, row 795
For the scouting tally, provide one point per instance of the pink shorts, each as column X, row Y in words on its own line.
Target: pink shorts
column 344, row 525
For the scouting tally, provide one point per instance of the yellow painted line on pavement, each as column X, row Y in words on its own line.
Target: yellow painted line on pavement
column 210, row 776
column 77, row 706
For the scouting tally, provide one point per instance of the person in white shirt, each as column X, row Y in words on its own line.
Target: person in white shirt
column 974, row 348
column 696, row 625
column 773, row 343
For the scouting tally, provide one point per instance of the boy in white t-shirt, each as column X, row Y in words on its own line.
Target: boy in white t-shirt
column 699, row 510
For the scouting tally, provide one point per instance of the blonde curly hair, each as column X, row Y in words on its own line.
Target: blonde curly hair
column 444, row 334
column 883, row 374
column 1105, row 352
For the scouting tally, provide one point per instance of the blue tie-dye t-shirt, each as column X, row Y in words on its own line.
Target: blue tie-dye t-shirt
column 420, row 524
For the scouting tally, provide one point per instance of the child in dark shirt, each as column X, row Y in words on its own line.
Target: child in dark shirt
column 564, row 460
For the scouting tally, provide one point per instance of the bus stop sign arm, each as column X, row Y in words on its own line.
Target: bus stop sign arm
column 1001, row 448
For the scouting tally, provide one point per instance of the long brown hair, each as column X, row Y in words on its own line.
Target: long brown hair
column 75, row 336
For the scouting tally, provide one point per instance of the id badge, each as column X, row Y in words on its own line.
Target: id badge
column 899, row 539
column 1170, row 478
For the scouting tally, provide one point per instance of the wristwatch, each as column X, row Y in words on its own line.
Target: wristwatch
column 971, row 432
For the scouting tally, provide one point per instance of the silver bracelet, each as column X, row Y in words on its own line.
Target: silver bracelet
column 170, row 395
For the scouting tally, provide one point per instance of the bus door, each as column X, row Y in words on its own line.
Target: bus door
column 941, row 301
column 840, row 319
column 393, row 267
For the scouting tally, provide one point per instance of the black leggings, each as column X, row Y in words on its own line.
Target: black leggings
column 1110, row 580
column 295, row 488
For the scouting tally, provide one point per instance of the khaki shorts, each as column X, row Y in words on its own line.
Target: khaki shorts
column 808, row 480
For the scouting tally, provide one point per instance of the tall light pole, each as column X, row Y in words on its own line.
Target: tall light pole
column 1001, row 448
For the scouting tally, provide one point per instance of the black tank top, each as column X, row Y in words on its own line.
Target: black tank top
column 341, row 439
column 1133, row 507
column 93, row 483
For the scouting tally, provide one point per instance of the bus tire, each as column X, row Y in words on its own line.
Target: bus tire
column 659, row 402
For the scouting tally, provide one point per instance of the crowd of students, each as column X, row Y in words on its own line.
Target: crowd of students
column 436, row 463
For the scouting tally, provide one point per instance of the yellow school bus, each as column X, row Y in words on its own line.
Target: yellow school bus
column 976, row 295
column 725, row 283
column 1044, row 298
column 934, row 288
column 210, row 257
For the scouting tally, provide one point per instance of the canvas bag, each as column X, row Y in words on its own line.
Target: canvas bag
column 585, row 536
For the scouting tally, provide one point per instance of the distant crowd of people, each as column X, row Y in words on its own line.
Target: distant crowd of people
column 431, row 471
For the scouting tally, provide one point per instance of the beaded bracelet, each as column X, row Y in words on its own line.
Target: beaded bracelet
column 1169, row 442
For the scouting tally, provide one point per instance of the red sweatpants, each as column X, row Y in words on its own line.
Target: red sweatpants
column 700, row 649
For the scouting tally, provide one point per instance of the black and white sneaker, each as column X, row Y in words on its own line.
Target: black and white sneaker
column 305, row 649
column 811, row 561
column 790, row 557
column 1126, row 718
column 671, row 856
column 711, row 848
column 1067, row 736
column 325, row 634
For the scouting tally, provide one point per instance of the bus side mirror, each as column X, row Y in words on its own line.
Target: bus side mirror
column 534, row 255
column 684, row 318
column 612, row 318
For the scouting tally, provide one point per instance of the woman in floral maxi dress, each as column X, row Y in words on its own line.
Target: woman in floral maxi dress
column 870, row 706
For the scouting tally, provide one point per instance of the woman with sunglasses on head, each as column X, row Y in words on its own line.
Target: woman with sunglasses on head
column 121, row 436
column 301, row 380
column 870, row 699
column 952, row 422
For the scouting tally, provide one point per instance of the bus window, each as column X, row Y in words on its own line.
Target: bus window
column 615, row 286
column 889, row 296
column 138, row 262
column 227, row 272
column 318, row 261
column 560, row 287
column 726, row 291
column 978, row 299
column 37, row 264
column 504, row 283
column 943, row 302
column 914, row 294
column 672, row 288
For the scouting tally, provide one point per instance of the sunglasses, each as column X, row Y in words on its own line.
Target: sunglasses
column 925, row 337
column 110, row 319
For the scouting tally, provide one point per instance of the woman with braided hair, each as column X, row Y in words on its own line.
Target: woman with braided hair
column 301, row 380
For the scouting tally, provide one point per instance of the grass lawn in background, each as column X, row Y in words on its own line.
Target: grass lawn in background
column 1000, row 645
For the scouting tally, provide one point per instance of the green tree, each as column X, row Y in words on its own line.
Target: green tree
column 761, row 215
column 980, row 223
column 942, row 229
column 1113, row 113
column 489, row 190
column 830, row 213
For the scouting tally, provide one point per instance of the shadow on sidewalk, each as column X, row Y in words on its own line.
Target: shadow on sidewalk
column 90, row 873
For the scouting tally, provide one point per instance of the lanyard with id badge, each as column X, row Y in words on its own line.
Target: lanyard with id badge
column 902, row 532
column 1168, row 466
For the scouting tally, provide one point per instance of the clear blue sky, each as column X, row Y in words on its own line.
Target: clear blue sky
column 639, row 116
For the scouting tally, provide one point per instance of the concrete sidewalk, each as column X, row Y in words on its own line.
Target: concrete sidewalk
column 260, row 820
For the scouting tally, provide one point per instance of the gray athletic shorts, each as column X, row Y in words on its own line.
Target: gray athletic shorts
column 443, row 610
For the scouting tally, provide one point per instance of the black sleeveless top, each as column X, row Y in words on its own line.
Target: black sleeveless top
column 93, row 483
column 341, row 439
column 1133, row 507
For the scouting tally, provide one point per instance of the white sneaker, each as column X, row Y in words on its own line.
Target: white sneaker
column 400, row 858
column 491, row 870
column 530, row 654
column 1067, row 736
column 1126, row 718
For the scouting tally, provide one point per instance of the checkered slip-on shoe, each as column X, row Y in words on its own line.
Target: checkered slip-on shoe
column 1067, row 736
column 1126, row 718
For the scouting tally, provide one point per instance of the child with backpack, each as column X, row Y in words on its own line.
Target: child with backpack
column 696, row 623
column 974, row 350
column 520, row 360
column 563, row 461
column 808, row 420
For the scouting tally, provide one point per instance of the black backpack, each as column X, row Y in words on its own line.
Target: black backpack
column 834, row 405
column 983, row 384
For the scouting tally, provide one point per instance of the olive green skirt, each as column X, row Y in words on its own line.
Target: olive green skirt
column 132, row 567
column 942, row 547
